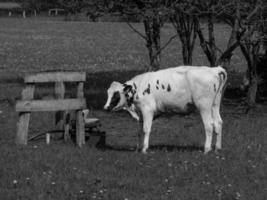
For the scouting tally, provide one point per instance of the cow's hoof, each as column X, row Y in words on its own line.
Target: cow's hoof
column 218, row 150
column 206, row 151
column 144, row 151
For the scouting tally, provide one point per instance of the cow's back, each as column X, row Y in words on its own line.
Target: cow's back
column 173, row 89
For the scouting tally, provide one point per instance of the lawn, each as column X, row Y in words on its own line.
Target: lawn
column 175, row 166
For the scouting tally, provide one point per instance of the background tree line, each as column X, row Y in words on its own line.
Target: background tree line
column 190, row 19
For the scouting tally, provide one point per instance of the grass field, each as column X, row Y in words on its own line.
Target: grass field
column 174, row 168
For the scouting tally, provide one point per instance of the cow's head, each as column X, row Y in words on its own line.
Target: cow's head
column 117, row 96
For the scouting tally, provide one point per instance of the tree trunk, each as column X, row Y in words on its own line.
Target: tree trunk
column 187, row 54
column 213, row 50
column 253, row 86
column 250, row 52
column 152, row 29
column 208, row 47
column 186, row 27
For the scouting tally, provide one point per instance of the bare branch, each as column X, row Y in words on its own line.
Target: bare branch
column 136, row 31
column 164, row 46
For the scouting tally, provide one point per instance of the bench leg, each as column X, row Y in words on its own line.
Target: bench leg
column 80, row 136
column 22, row 128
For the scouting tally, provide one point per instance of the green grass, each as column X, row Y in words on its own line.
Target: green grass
column 174, row 168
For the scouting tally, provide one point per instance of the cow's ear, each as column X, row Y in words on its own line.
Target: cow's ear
column 116, row 84
column 127, row 88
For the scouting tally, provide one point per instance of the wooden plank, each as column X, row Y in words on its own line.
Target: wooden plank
column 45, row 77
column 59, row 90
column 80, row 136
column 50, row 105
column 80, row 93
column 24, row 118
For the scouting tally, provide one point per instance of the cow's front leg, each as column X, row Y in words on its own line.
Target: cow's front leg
column 147, row 123
column 140, row 137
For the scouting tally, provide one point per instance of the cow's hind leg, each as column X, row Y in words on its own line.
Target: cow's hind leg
column 207, row 119
column 217, row 127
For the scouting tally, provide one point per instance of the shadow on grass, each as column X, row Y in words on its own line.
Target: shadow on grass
column 159, row 147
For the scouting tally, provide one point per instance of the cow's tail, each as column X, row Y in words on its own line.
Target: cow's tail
column 222, row 76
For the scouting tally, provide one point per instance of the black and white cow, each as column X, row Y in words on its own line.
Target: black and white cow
column 172, row 90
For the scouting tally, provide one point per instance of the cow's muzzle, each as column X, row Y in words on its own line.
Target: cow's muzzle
column 107, row 108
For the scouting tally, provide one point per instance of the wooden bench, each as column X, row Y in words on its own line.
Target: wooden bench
column 28, row 104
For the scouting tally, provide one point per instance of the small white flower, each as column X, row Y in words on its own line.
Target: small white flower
column 27, row 179
column 35, row 146
column 81, row 191
column 229, row 185
column 238, row 195
column 53, row 183
column 15, row 182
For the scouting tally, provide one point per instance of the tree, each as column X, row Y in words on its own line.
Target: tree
column 152, row 13
column 186, row 26
column 253, row 24
column 225, row 10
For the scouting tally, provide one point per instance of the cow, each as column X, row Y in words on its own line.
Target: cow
column 173, row 90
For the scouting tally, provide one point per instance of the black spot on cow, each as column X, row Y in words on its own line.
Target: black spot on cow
column 114, row 100
column 135, row 87
column 169, row 88
column 127, row 88
column 214, row 87
column 163, row 87
column 137, row 97
column 130, row 101
column 157, row 87
column 158, row 82
column 147, row 90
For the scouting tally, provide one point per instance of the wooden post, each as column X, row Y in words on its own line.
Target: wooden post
column 24, row 14
column 24, row 117
column 60, row 93
column 80, row 136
